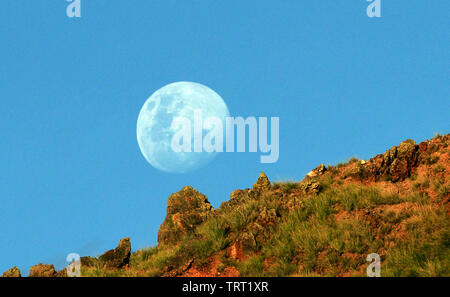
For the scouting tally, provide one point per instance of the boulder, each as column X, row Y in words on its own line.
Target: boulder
column 186, row 210
column 13, row 272
column 42, row 270
column 309, row 186
column 118, row 257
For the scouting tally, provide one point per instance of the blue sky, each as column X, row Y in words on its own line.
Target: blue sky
column 72, row 177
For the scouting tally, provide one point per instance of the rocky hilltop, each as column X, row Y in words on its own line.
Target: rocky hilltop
column 395, row 204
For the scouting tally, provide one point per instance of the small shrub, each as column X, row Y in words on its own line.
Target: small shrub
column 387, row 177
column 421, row 185
column 320, row 206
column 143, row 254
column 437, row 135
column 349, row 161
column 438, row 169
column 444, row 192
column 430, row 160
column 286, row 187
column 252, row 267
column 333, row 170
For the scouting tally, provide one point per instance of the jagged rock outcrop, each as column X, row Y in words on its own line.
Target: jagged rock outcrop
column 429, row 147
column 399, row 162
column 42, row 270
column 262, row 219
column 262, row 184
column 12, row 272
column 395, row 164
column 310, row 185
column 186, row 209
column 118, row 257
column 319, row 170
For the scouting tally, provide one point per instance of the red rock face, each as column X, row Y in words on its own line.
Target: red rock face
column 396, row 163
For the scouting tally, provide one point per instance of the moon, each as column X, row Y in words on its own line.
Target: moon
column 154, row 132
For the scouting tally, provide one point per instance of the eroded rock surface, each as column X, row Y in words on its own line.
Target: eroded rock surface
column 42, row 270
column 118, row 257
column 13, row 272
column 186, row 209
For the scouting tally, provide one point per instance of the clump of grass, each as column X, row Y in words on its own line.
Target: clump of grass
column 437, row 184
column 351, row 201
column 240, row 217
column 320, row 207
column 418, row 197
column 286, row 186
column 355, row 197
column 430, row 160
column 427, row 250
column 333, row 169
column 437, row 135
column 252, row 267
column 421, row 185
column 387, row 177
column 143, row 254
column 215, row 230
column 443, row 192
column 326, row 181
column 349, row 161
column 299, row 243
column 438, row 169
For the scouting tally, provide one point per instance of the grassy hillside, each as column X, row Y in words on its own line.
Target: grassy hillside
column 395, row 204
